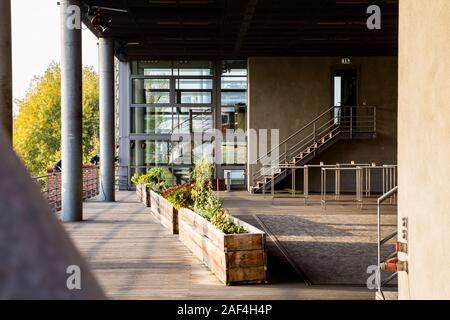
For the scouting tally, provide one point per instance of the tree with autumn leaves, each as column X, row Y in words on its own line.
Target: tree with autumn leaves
column 37, row 128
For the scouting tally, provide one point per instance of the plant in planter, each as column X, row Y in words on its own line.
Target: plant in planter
column 158, row 179
column 180, row 196
column 234, row 250
column 206, row 202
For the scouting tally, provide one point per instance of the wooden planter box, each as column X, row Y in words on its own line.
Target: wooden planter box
column 164, row 211
column 234, row 259
column 143, row 193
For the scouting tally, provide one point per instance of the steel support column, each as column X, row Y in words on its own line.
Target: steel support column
column 5, row 68
column 71, row 112
column 107, row 150
column 139, row 114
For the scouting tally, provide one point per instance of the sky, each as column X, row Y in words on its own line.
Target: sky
column 36, row 42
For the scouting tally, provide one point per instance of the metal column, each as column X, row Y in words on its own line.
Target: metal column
column 5, row 68
column 107, row 150
column 71, row 114
column 139, row 113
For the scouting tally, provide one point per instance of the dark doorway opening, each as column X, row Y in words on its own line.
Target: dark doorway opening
column 345, row 96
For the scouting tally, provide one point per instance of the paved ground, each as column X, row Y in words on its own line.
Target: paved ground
column 134, row 257
column 332, row 246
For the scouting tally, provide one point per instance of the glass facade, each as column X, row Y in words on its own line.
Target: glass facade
column 234, row 111
column 186, row 97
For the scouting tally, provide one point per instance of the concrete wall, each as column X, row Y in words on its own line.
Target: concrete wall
column 424, row 153
column 287, row 93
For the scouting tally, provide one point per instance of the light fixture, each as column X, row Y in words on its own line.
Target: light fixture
column 346, row 61
column 99, row 22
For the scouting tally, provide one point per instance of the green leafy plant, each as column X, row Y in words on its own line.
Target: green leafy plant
column 202, row 188
column 135, row 179
column 223, row 221
column 205, row 201
column 159, row 179
column 180, row 196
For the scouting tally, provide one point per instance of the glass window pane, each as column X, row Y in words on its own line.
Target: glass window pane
column 234, row 118
column 204, row 149
column 193, row 68
column 234, row 83
column 194, row 84
column 153, row 97
column 151, row 68
column 234, row 153
column 235, row 72
column 151, row 91
column 149, row 153
column 188, row 97
column 193, row 120
column 231, row 98
column 237, row 177
column 180, row 153
column 151, row 120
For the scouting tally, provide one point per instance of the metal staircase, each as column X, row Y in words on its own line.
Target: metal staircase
column 333, row 125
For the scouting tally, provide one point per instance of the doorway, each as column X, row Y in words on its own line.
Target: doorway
column 345, row 95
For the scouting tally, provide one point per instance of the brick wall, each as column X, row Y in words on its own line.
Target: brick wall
column 53, row 185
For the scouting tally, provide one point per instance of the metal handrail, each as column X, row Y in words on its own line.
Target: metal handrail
column 195, row 115
column 321, row 126
column 297, row 132
column 382, row 241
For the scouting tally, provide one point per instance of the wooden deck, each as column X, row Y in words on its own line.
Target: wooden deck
column 134, row 257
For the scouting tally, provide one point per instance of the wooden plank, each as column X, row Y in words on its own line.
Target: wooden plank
column 164, row 211
column 134, row 257
column 212, row 261
column 207, row 247
column 247, row 275
column 245, row 259
column 249, row 249
column 246, row 241
column 202, row 226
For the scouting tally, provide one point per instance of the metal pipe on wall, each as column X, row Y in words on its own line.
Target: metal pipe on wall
column 6, row 105
column 107, row 141
column 71, row 113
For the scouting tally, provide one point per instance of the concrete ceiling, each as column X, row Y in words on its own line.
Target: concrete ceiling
column 237, row 29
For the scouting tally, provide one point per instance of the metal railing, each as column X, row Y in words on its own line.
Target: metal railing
column 363, row 176
column 206, row 124
column 382, row 241
column 50, row 186
column 122, row 178
column 332, row 122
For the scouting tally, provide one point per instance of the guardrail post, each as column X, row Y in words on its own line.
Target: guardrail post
column 375, row 119
column 351, row 122
column 55, row 186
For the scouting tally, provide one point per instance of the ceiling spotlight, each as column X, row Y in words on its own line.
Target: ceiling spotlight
column 97, row 20
column 100, row 23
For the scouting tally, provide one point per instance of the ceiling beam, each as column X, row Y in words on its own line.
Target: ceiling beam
column 246, row 21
